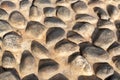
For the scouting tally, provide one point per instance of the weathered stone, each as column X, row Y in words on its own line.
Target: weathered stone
column 103, row 70
column 35, row 29
column 95, row 54
column 53, row 22
column 64, row 13
column 27, row 63
column 79, row 6
column 93, row 77
column 30, row 77
column 65, row 47
column 104, row 38
column 75, row 37
column 39, row 50
column 58, row 76
column 12, row 41
column 54, row 34
column 8, row 60
column 3, row 14
column 17, row 20
column 49, row 11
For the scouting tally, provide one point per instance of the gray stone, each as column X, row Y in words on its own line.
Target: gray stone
column 95, row 54
column 53, row 22
column 5, row 26
column 30, row 77
column 101, row 13
column 39, row 50
column 75, row 37
column 49, row 11
column 58, row 76
column 8, row 60
column 17, row 20
column 104, row 38
column 24, row 3
column 12, row 41
column 54, row 34
column 104, row 70
column 65, row 47
column 3, row 14
column 64, row 13
column 86, row 18
column 27, row 63
column 79, row 6
column 35, row 28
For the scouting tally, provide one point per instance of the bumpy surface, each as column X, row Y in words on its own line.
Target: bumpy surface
column 59, row 39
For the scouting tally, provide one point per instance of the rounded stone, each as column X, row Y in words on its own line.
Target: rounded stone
column 104, row 38
column 39, row 50
column 47, row 68
column 49, row 11
column 66, row 47
column 86, row 18
column 8, row 60
column 12, row 41
column 54, row 34
column 85, row 29
column 101, row 13
column 95, row 54
column 17, row 20
column 30, row 77
column 27, row 63
column 103, row 70
column 24, row 3
column 114, row 51
column 79, row 6
column 34, row 12
column 3, row 14
column 5, row 26
column 75, row 37
column 35, row 29
column 8, row 5
column 64, row 13
column 58, row 76
column 53, row 22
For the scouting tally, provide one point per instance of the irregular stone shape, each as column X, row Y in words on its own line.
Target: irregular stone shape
column 75, row 37
column 95, row 54
column 3, row 14
column 101, row 13
column 39, row 50
column 113, row 11
column 27, row 63
column 93, row 77
column 114, row 51
column 106, row 24
column 24, row 3
column 53, row 22
column 8, row 5
column 85, row 29
column 49, row 11
column 103, row 70
column 34, row 12
column 42, row 3
column 64, row 13
column 79, row 6
column 105, row 38
column 9, row 76
column 65, row 47
column 35, row 28
column 30, row 77
column 54, row 34
column 4, row 26
column 17, row 20
column 8, row 60
column 47, row 68
column 12, row 41
column 116, row 60
column 58, row 76
column 86, row 18
column 79, row 64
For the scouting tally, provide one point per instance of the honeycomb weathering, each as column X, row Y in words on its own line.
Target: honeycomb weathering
column 59, row 39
